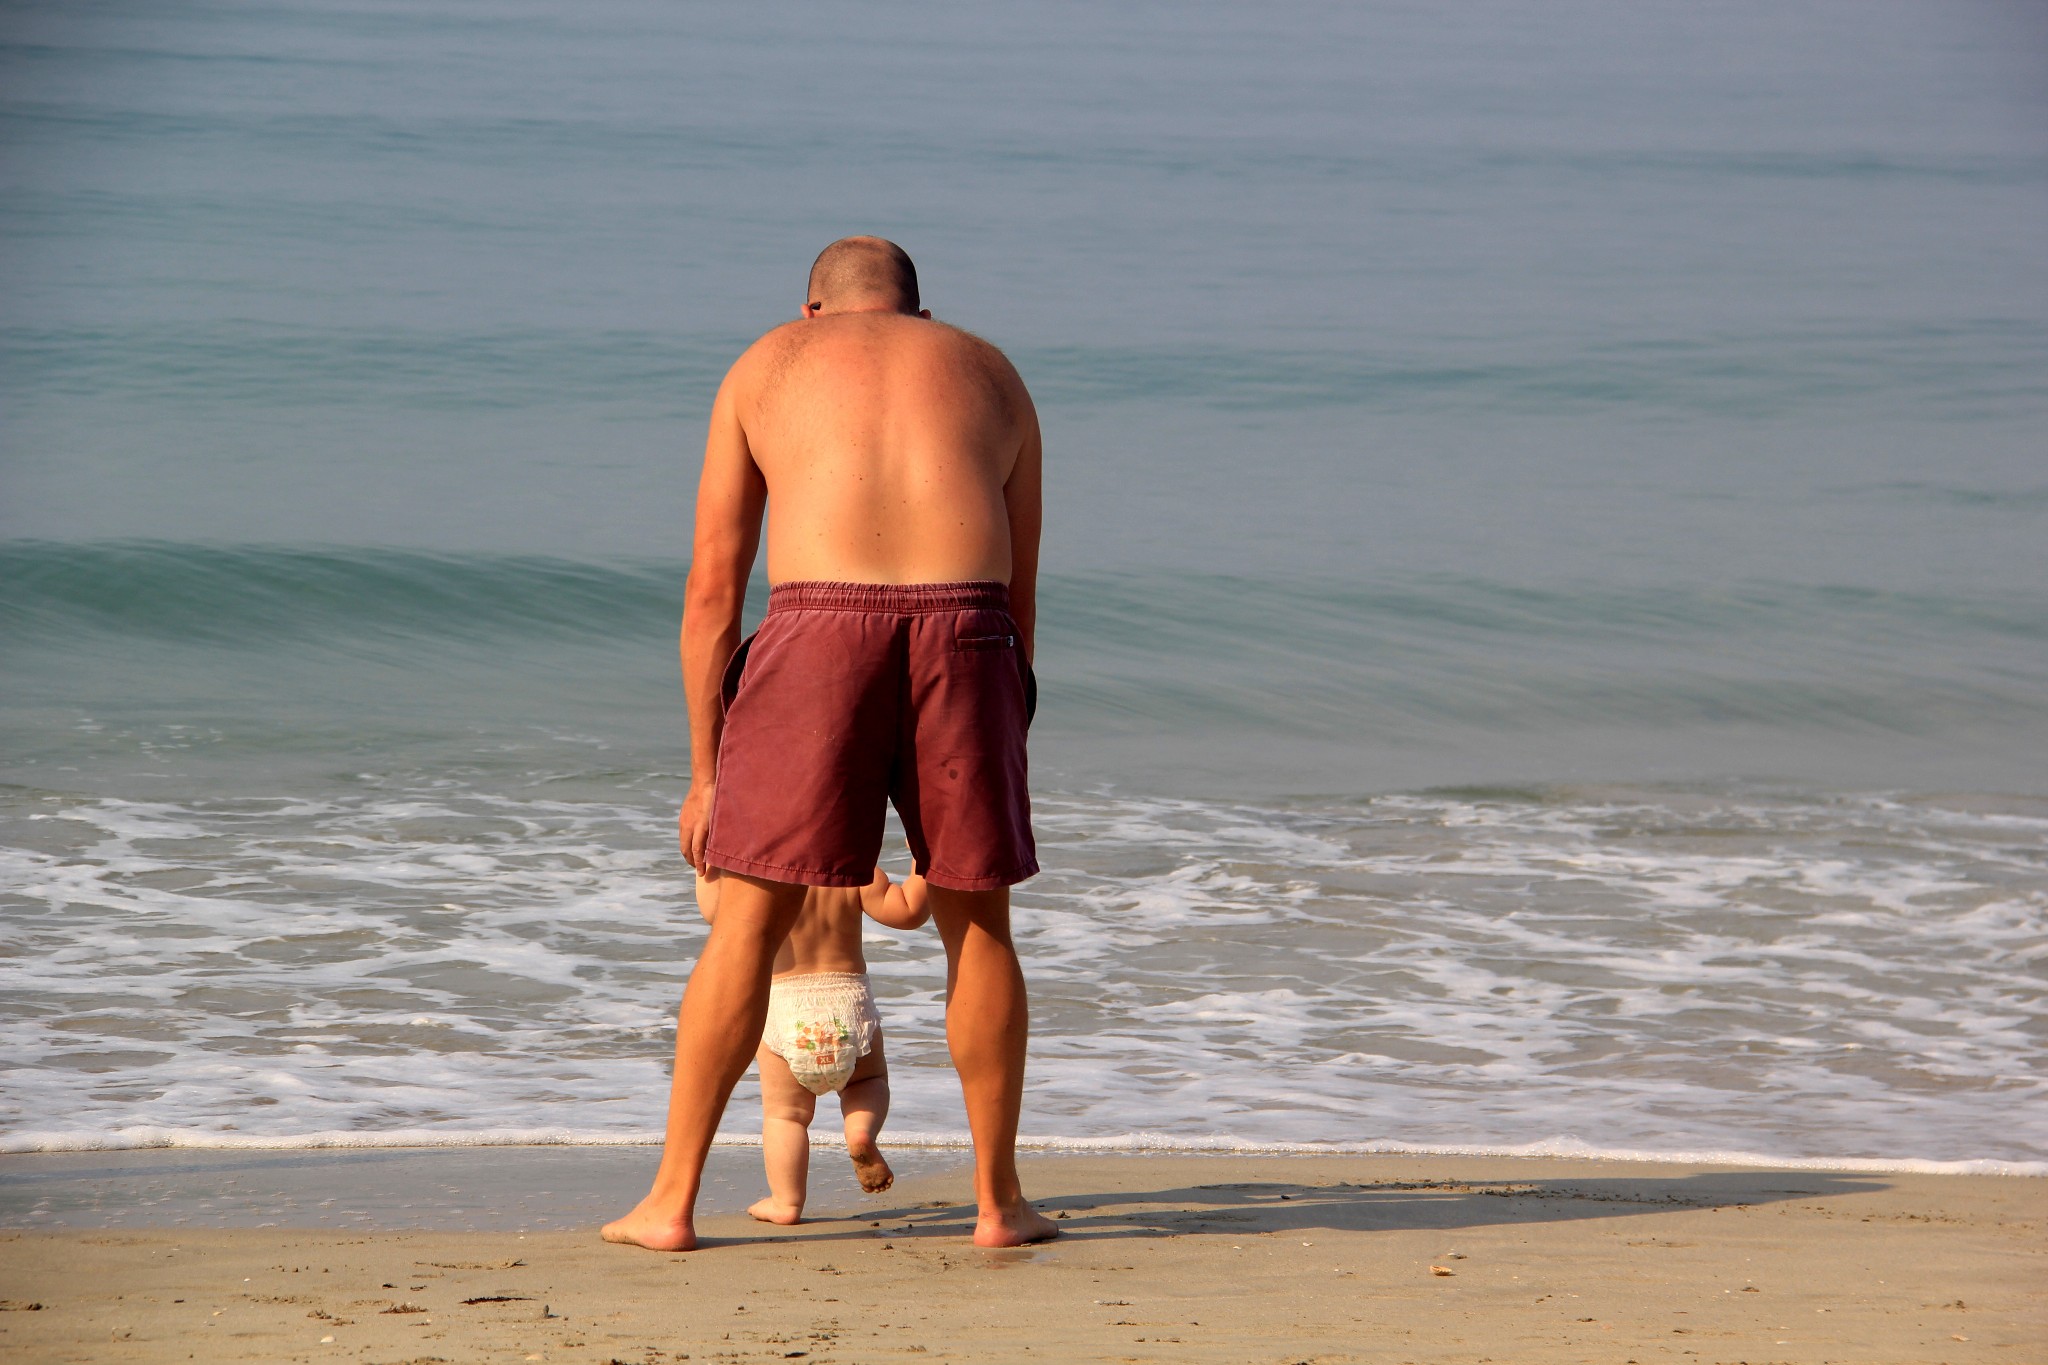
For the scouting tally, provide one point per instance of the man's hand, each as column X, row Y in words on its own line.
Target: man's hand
column 693, row 827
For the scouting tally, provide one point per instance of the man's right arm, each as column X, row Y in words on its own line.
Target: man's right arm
column 731, row 496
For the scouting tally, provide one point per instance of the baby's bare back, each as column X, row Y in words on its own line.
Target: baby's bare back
column 885, row 441
column 826, row 936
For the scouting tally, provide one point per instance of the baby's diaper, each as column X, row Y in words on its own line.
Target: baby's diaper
column 822, row 1024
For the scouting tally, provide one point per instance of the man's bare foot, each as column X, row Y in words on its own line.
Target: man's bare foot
column 1013, row 1227
column 870, row 1166
column 768, row 1211
column 653, row 1229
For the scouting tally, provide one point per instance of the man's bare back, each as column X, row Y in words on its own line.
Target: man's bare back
column 885, row 441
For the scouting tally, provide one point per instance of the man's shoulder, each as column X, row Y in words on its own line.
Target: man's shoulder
column 979, row 352
column 776, row 352
column 776, row 341
column 766, row 359
column 966, row 340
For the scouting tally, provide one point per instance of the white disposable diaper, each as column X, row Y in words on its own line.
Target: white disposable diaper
column 822, row 1024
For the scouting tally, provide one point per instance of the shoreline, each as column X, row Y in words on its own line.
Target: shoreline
column 163, row 1140
column 1162, row 1258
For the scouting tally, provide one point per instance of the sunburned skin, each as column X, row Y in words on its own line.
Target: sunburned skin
column 888, row 439
column 899, row 449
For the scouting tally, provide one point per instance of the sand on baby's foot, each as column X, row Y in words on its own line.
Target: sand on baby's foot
column 870, row 1167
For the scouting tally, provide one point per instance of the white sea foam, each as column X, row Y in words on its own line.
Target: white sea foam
column 1694, row 976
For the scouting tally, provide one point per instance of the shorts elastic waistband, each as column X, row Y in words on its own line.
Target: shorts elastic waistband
column 899, row 599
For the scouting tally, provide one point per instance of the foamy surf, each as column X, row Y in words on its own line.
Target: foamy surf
column 1688, row 973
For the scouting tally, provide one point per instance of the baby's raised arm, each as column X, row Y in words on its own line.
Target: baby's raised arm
column 903, row 906
column 707, row 899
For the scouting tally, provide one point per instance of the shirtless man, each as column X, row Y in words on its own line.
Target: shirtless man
column 898, row 462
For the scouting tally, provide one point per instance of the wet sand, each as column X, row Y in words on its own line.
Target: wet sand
column 1267, row 1259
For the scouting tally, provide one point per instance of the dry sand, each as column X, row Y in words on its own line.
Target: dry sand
column 1241, row 1259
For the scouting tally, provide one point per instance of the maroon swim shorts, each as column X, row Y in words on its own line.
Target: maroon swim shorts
column 853, row 694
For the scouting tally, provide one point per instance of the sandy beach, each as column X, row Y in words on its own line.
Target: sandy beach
column 1163, row 1258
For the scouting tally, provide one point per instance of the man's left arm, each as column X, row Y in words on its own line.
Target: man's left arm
column 1023, row 497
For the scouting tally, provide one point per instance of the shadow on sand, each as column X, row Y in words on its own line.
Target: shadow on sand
column 1376, row 1206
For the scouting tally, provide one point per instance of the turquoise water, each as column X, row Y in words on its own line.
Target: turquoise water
column 1547, row 554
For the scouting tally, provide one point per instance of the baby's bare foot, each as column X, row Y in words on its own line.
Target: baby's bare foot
column 1014, row 1227
column 870, row 1165
column 768, row 1211
column 652, row 1228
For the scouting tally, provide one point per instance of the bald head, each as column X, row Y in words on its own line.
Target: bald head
column 862, row 273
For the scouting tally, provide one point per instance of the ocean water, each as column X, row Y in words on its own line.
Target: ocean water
column 1545, row 636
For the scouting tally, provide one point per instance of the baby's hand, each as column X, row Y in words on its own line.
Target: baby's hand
column 875, row 894
column 707, row 897
column 899, row 907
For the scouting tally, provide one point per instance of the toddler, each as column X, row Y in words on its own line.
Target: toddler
column 823, row 1035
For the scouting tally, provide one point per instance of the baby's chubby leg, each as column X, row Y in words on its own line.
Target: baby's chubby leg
column 786, row 1110
column 865, row 1104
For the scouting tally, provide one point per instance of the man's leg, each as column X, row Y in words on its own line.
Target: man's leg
column 724, row 1008
column 986, row 1021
